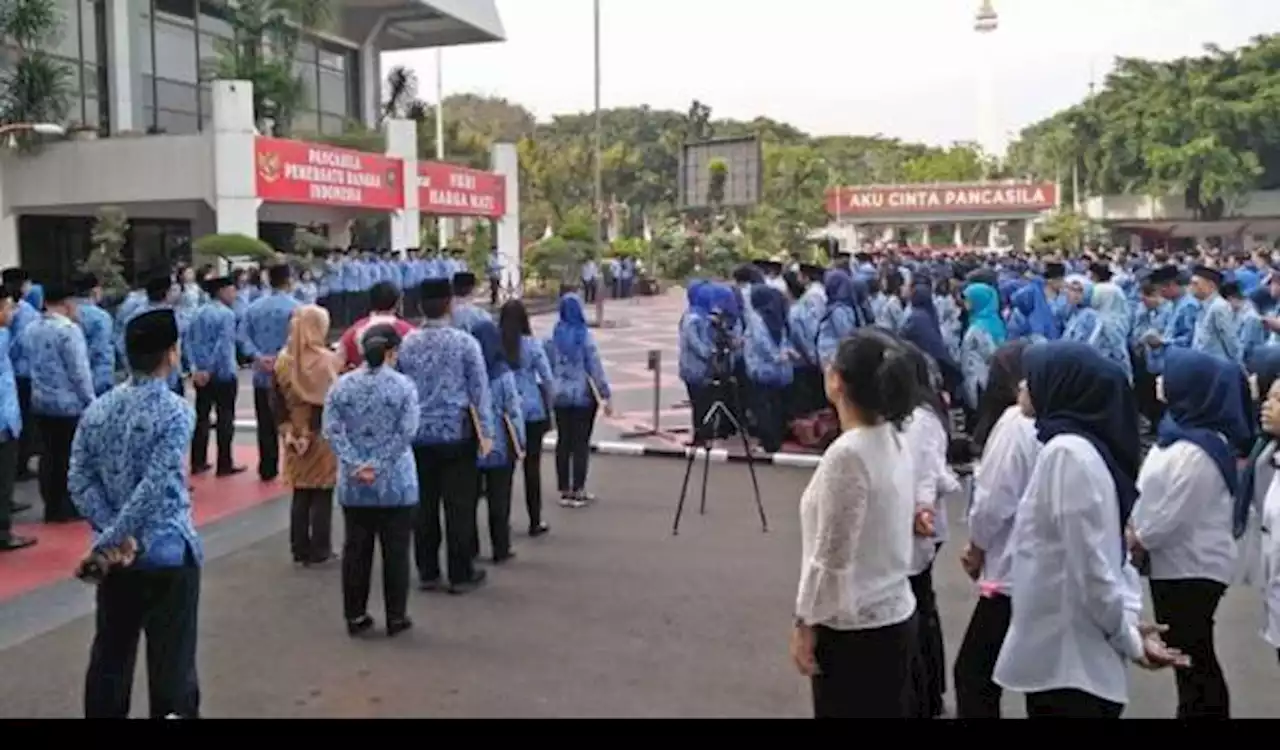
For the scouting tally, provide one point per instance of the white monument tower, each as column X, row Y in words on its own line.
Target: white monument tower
column 985, row 23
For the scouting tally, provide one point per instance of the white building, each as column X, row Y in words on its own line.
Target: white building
column 179, row 152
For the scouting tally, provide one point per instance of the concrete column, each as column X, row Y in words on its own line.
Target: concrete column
column 235, row 187
column 121, row 67
column 9, row 255
column 505, row 160
column 991, row 235
column 924, row 235
column 958, row 237
column 402, row 143
column 371, row 76
column 1028, row 233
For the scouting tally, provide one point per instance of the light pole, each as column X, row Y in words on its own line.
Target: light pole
column 442, row 223
column 599, row 175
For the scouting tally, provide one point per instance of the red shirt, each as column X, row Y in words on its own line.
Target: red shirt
column 351, row 337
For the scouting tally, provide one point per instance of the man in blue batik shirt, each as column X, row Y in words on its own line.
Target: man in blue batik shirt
column 10, row 431
column 128, row 479
column 211, row 343
column 465, row 314
column 263, row 333
column 61, row 389
column 447, row 367
column 98, row 336
column 161, row 294
column 24, row 315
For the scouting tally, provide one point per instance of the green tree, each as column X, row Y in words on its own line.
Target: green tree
column 110, row 232
column 34, row 86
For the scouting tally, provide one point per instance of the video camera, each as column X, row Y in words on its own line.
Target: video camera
column 722, row 347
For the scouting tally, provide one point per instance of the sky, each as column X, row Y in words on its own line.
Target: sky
column 911, row 69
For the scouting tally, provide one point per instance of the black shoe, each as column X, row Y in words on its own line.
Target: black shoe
column 268, row 477
column 540, row 530
column 430, row 584
column 506, row 557
column 396, row 627
column 200, row 469
column 231, row 471
column 359, row 626
column 466, row 587
column 16, row 543
column 17, row 508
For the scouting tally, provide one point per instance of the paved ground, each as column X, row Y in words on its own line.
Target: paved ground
column 609, row 616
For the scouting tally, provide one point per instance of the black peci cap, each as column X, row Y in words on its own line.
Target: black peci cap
column 1054, row 270
column 1212, row 275
column 1164, row 275
column 158, row 285
column 84, row 283
column 436, row 289
column 151, row 332
column 215, row 285
column 58, row 291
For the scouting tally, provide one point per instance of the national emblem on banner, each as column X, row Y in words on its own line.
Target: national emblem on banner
column 269, row 166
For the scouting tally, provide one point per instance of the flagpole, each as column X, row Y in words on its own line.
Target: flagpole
column 442, row 222
column 599, row 170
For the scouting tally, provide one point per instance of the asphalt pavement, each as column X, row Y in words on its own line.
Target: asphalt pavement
column 608, row 616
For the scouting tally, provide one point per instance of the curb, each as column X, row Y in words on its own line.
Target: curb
column 718, row 455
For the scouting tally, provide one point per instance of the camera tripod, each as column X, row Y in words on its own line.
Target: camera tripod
column 710, row 428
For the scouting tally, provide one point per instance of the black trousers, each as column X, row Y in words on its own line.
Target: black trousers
column 55, row 463
column 163, row 603
column 977, row 695
column 390, row 529
column 589, row 291
column 497, row 496
column 1188, row 607
column 220, row 399
column 268, row 435
column 574, row 425
column 1070, row 704
column 534, row 432
column 495, row 285
column 1144, row 387
column 446, row 481
column 8, row 476
column 29, row 442
column 770, row 416
column 863, row 674
column 311, row 525
column 929, row 667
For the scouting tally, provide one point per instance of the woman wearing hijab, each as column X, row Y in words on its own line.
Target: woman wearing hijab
column 1105, row 325
column 985, row 335
column 696, row 347
column 769, row 360
column 505, row 421
column 1009, row 446
column 1076, row 600
column 1182, row 523
column 370, row 419
column 581, row 389
column 305, row 371
column 922, row 328
column 891, row 312
column 1078, row 313
column 841, row 319
column 949, row 316
column 927, row 437
column 528, row 361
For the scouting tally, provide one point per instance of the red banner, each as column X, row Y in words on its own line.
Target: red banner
column 962, row 198
column 319, row 175
column 451, row 190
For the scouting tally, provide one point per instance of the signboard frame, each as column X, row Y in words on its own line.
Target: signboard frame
column 744, row 183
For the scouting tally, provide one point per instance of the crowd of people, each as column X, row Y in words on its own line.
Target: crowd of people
column 408, row 425
column 1058, row 366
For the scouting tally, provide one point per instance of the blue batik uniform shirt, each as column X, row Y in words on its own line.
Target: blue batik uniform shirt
column 505, row 401
column 61, row 379
column 447, row 369
column 128, row 473
column 265, row 329
column 467, row 317
column 10, row 412
column 370, row 419
column 212, row 342
column 574, row 375
column 23, row 316
column 97, row 326
column 533, row 373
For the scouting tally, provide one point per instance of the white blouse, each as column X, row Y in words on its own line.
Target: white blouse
column 998, row 485
column 1076, row 600
column 934, row 480
column 856, row 518
column 1271, row 562
column 1183, row 516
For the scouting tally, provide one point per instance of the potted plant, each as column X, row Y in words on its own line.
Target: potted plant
column 80, row 132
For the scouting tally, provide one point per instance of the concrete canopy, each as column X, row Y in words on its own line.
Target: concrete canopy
column 394, row 25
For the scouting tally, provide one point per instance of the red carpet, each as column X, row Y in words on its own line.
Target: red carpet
column 62, row 547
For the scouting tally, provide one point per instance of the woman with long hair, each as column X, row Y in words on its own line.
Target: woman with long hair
column 1076, row 599
column 927, row 437
column 528, row 361
column 1182, row 522
column 505, row 422
column 581, row 389
column 305, row 371
column 854, row 634
column 1007, row 439
column 370, row 419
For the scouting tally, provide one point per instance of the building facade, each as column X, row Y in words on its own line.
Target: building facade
column 142, row 101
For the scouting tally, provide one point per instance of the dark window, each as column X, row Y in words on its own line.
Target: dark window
column 51, row 247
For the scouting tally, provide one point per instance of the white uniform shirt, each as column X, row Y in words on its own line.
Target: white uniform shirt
column 1183, row 515
column 998, row 485
column 1076, row 600
column 933, row 481
column 1271, row 561
column 855, row 529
